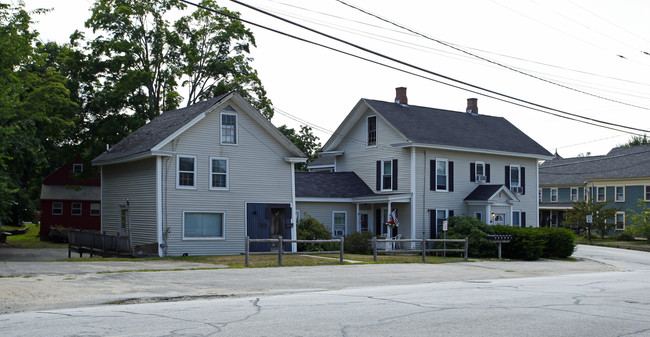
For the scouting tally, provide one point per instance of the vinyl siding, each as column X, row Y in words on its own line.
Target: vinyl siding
column 323, row 213
column 257, row 174
column 427, row 200
column 363, row 160
column 136, row 181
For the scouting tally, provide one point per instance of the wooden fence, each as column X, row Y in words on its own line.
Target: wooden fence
column 100, row 244
column 393, row 246
column 281, row 251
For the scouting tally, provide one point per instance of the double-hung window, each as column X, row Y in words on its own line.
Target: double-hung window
column 516, row 219
column 481, row 176
column 620, row 193
column 386, row 174
column 441, row 175
column 219, row 173
column 553, row 194
column 601, row 193
column 339, row 223
column 186, row 167
column 57, row 208
column 228, row 128
column 76, row 208
column 77, row 168
column 372, row 131
column 203, row 225
column 514, row 176
column 574, row 194
column 620, row 221
column 95, row 209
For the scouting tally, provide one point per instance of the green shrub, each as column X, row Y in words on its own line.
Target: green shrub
column 559, row 242
column 476, row 231
column 312, row 229
column 626, row 235
column 358, row 243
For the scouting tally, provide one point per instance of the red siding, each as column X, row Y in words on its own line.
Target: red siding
column 83, row 221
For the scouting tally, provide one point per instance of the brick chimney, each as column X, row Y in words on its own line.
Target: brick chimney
column 400, row 96
column 472, row 106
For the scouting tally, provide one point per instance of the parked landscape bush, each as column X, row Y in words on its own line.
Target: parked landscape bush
column 358, row 243
column 626, row 235
column 312, row 229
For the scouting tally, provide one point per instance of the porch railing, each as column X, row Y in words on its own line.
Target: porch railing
column 100, row 244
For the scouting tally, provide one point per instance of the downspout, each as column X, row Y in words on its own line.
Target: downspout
column 294, row 246
column 159, row 222
column 358, row 221
column 537, row 195
column 413, row 199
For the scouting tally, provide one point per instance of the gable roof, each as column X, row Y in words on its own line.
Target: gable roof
column 619, row 163
column 424, row 126
column 487, row 192
column 159, row 130
column 330, row 185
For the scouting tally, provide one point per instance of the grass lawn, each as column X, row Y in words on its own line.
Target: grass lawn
column 29, row 239
column 263, row 261
column 642, row 245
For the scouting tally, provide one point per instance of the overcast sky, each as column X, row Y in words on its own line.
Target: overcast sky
column 584, row 57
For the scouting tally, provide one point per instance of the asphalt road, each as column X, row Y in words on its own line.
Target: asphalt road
column 604, row 294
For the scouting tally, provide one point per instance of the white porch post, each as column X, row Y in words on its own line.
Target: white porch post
column 159, row 201
column 413, row 204
column 488, row 214
column 294, row 231
column 390, row 209
column 358, row 219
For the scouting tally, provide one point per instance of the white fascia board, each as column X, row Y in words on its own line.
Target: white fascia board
column 295, row 159
column 555, row 207
column 321, row 166
column 472, row 150
column 335, row 153
column 134, row 157
column 331, row 200
column 178, row 132
column 385, row 198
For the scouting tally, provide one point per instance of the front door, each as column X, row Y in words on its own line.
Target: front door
column 364, row 221
column 499, row 219
column 277, row 225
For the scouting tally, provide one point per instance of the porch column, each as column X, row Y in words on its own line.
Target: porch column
column 358, row 219
column 390, row 209
column 488, row 214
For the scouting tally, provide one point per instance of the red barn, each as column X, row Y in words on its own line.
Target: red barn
column 71, row 198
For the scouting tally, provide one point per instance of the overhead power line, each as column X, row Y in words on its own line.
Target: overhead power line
column 486, row 59
column 496, row 95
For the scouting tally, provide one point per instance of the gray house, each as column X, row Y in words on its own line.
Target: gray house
column 197, row 180
column 422, row 165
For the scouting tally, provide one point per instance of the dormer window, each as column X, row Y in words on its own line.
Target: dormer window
column 372, row 131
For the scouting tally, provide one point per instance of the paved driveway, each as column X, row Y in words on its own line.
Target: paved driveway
column 25, row 255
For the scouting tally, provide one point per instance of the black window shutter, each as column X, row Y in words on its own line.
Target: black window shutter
column 472, row 172
column 507, row 176
column 451, row 213
column 432, row 175
column 378, row 175
column 522, row 179
column 432, row 224
column 487, row 172
column 523, row 219
column 378, row 222
column 451, row 176
column 394, row 174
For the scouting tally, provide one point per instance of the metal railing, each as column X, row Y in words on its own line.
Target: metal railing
column 281, row 241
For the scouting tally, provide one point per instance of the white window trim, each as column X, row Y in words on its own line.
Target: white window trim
column 604, row 193
column 178, row 178
column 539, row 194
column 77, row 165
column 616, row 223
column 512, row 217
column 207, row 238
column 390, row 188
column 518, row 167
column 60, row 208
column 376, row 133
column 227, row 174
column 446, row 174
column 345, row 229
column 645, row 193
column 616, row 194
column 99, row 210
column 476, row 174
column 577, row 194
column 72, row 208
column 236, row 128
column 557, row 195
